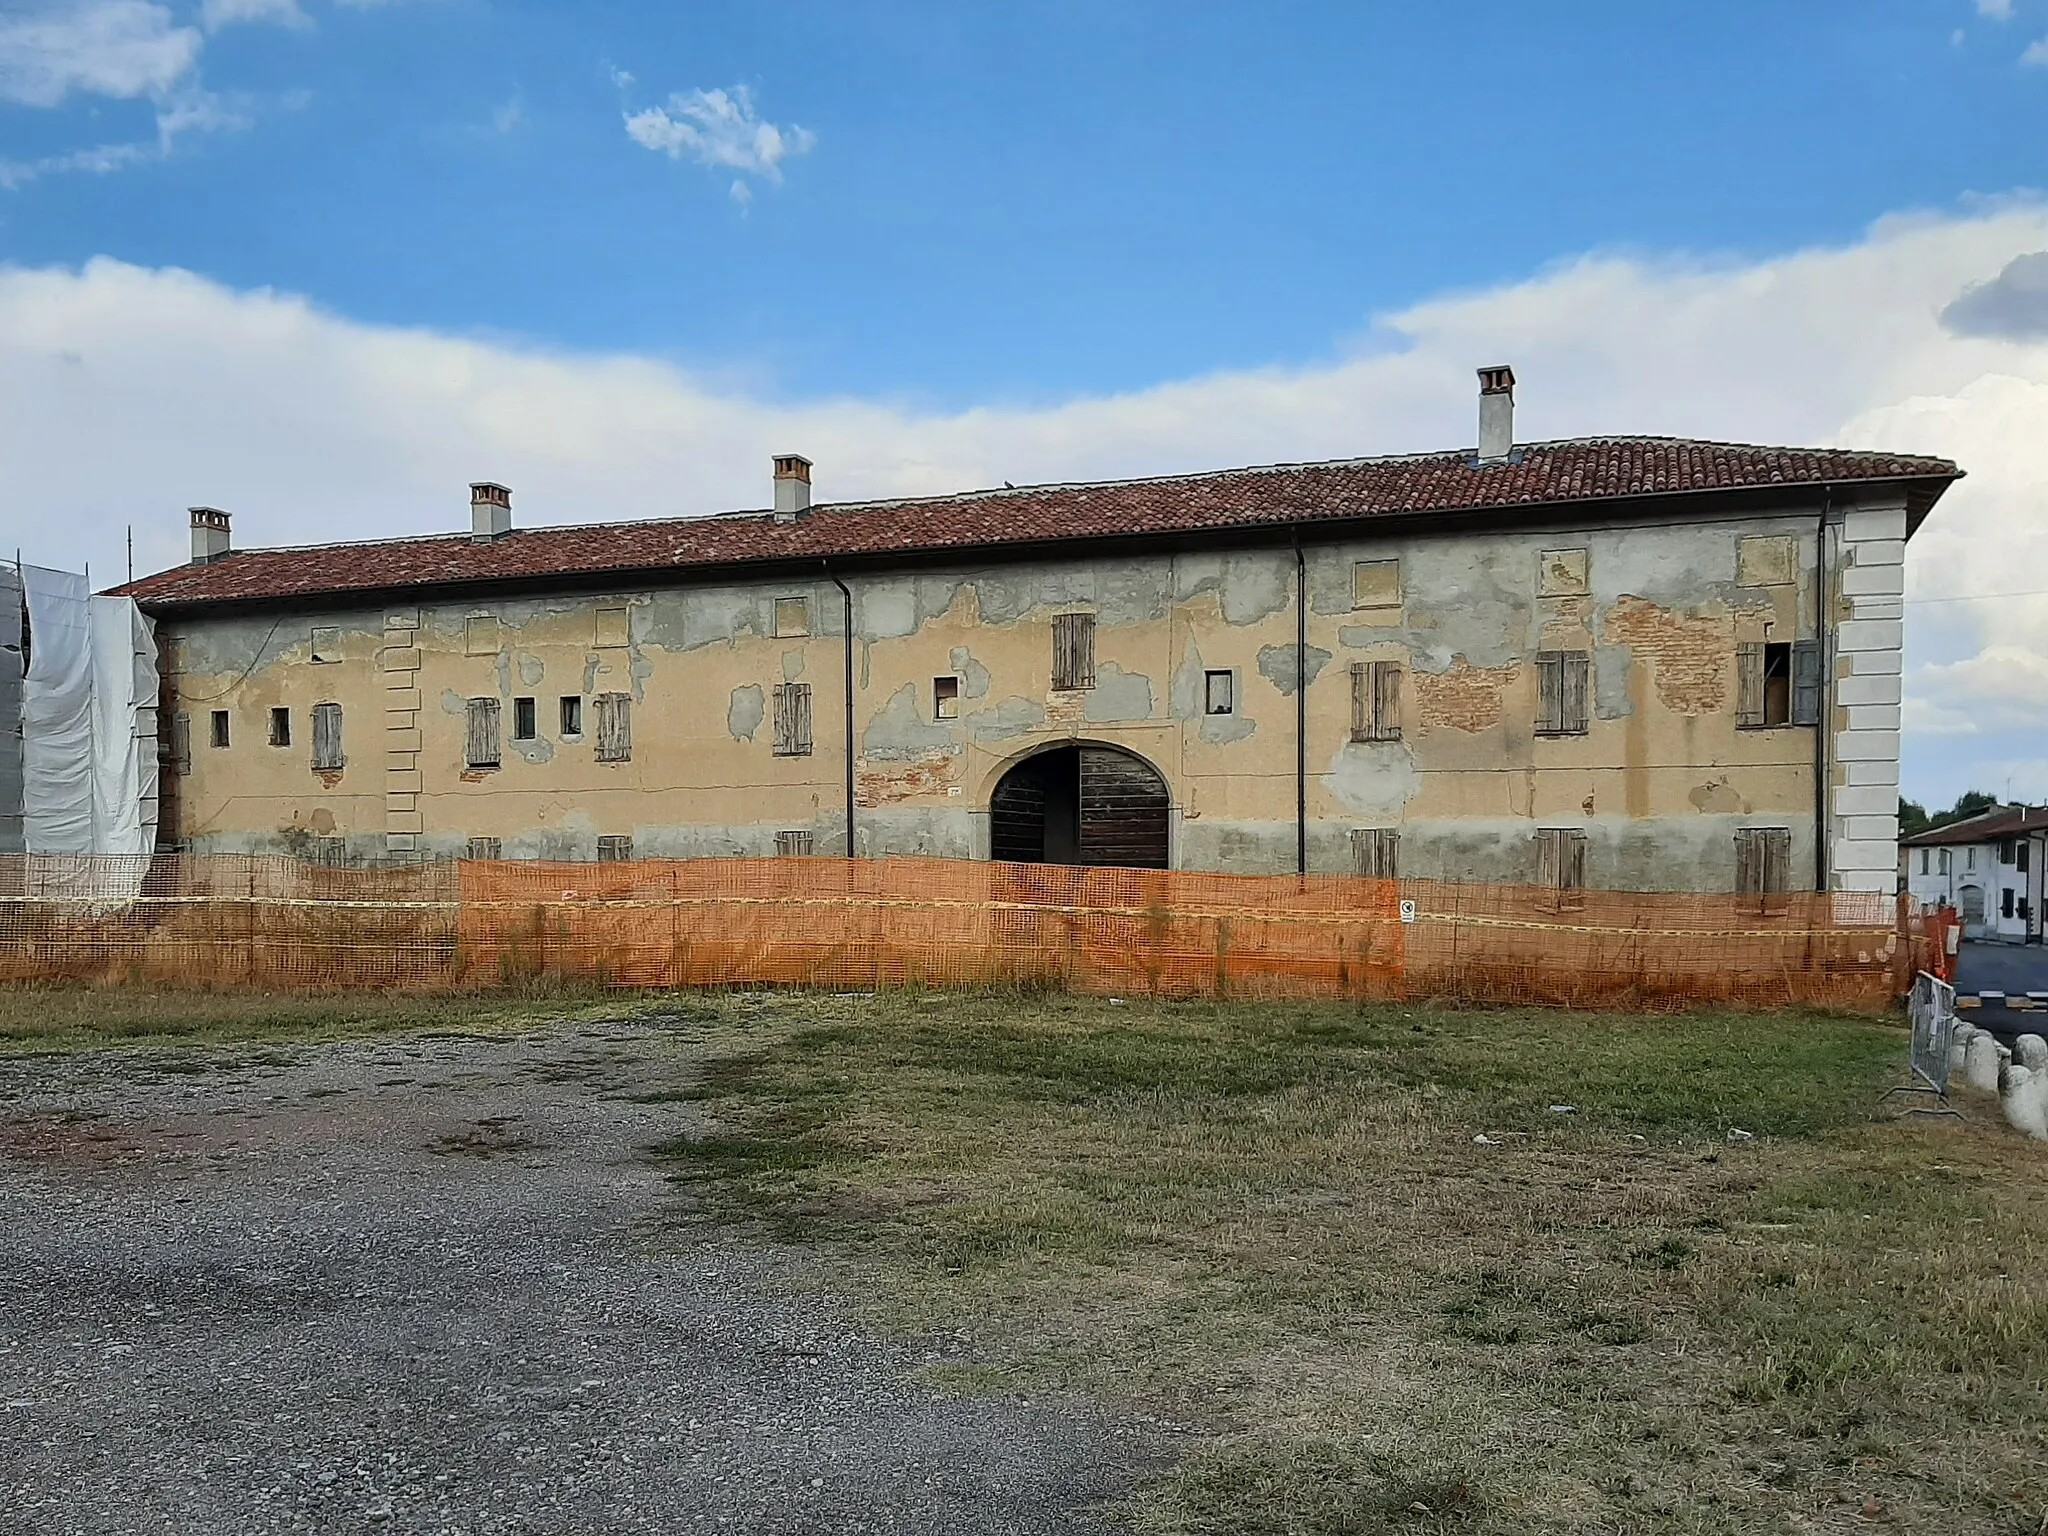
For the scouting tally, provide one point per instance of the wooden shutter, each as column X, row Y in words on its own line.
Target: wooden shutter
column 1361, row 701
column 1576, row 679
column 1748, row 877
column 481, row 749
column 484, row 847
column 1073, row 651
column 1749, row 684
column 1561, row 864
column 1547, row 864
column 1777, row 846
column 793, row 844
column 1549, row 693
column 1806, row 682
column 793, row 720
column 1386, row 701
column 181, row 743
column 614, row 850
column 327, row 737
column 614, row 727
column 1574, row 862
column 1375, row 852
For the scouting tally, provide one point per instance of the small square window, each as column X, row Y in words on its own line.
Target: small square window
column 484, row 848
column 796, row 844
column 280, row 727
column 945, row 698
column 220, row 727
column 1376, row 584
column 614, row 628
column 614, row 850
column 1219, row 693
column 572, row 714
column 326, row 644
column 792, row 617
column 480, row 635
column 525, row 726
column 1561, row 573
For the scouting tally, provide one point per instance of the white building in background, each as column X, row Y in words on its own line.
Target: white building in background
column 1988, row 867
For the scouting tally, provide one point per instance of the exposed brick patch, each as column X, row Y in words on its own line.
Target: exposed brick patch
column 1691, row 658
column 1462, row 697
column 916, row 780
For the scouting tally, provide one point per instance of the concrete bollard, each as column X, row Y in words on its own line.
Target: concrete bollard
column 2023, row 1095
column 2031, row 1052
column 1958, row 1048
column 1981, row 1060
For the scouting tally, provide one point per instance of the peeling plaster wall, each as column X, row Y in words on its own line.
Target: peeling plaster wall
column 1659, row 783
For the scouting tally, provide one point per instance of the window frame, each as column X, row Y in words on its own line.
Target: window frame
column 1211, row 676
column 569, row 714
column 1376, row 853
column 280, row 725
column 796, row 843
column 220, row 729
column 1564, row 688
column 1376, row 700
column 613, row 726
column 526, row 719
column 483, row 732
column 946, row 698
column 791, row 618
column 793, row 727
column 615, row 848
column 1763, row 867
column 1561, row 866
column 1073, row 652
column 328, row 755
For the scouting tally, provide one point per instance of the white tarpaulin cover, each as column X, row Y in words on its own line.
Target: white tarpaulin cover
column 88, row 721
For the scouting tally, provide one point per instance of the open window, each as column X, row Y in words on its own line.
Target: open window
column 1219, row 693
column 1777, row 683
column 945, row 698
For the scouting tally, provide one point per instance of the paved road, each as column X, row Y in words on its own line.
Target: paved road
column 2013, row 969
column 428, row 1285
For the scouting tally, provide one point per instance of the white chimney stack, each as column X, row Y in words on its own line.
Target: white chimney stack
column 1496, row 414
column 490, row 511
column 792, row 487
column 209, row 535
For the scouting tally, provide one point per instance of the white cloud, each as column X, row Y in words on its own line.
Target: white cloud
column 719, row 128
column 2037, row 52
column 312, row 426
column 508, row 116
column 1997, row 10
column 118, row 48
column 215, row 14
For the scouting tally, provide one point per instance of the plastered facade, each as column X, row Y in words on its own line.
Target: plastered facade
column 1660, row 781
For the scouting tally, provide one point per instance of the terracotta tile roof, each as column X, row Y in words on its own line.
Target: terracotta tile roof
column 1985, row 827
column 1540, row 475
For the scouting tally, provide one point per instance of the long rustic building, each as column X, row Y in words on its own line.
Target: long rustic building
column 1632, row 663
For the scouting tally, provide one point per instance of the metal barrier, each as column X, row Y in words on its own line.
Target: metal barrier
column 1932, row 1008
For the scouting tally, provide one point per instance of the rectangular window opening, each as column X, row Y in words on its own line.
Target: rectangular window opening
column 614, row 727
column 945, row 698
column 525, row 720
column 280, row 727
column 484, row 848
column 614, row 850
column 1561, row 865
column 1763, row 865
column 327, row 756
column 326, row 644
column 480, row 748
column 1073, row 652
column 180, row 744
column 1562, row 686
column 2005, row 902
column 792, row 617
column 793, row 720
column 1220, row 693
column 1375, row 701
column 1376, row 853
column 330, row 852
column 794, row 844
column 572, row 714
column 220, row 728
column 1777, row 683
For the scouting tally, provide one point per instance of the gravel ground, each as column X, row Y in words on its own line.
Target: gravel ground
column 429, row 1284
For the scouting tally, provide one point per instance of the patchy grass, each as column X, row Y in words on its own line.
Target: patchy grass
column 48, row 1018
column 1273, row 1225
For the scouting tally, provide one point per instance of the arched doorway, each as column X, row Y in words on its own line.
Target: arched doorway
column 1080, row 805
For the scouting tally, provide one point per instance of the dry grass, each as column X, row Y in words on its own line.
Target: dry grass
column 58, row 1018
column 1272, row 1224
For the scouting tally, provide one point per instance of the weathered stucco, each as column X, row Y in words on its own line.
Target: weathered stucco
column 1659, row 782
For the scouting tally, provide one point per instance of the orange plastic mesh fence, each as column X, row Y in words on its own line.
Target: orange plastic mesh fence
column 227, row 920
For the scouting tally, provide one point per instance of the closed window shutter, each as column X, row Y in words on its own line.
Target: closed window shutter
column 1747, row 876
column 1386, row 701
column 1574, row 862
column 793, row 844
column 1806, row 682
column 1375, row 852
column 1073, row 651
column 1777, row 859
column 1749, row 683
column 614, row 727
column 327, row 737
column 181, row 743
column 793, row 720
column 1547, row 845
column 1361, row 701
column 1549, row 692
column 1576, row 676
column 481, row 750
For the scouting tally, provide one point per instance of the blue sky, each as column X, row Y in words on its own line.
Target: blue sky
column 324, row 261
column 1024, row 201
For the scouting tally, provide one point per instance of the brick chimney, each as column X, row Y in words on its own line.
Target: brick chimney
column 209, row 535
column 1496, row 414
column 792, row 487
column 490, row 511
